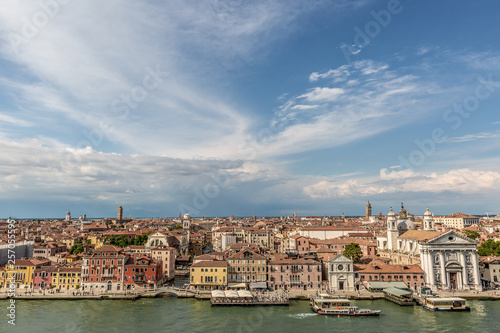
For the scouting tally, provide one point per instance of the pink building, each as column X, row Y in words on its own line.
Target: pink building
column 45, row 250
column 298, row 274
column 167, row 255
column 42, row 277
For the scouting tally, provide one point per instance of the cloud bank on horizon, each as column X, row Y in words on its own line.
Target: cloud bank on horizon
column 235, row 107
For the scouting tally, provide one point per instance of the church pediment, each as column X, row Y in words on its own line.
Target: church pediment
column 340, row 258
column 452, row 238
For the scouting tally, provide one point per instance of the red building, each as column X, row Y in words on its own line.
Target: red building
column 142, row 271
column 104, row 269
column 411, row 275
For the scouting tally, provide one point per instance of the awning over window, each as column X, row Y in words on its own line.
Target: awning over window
column 258, row 285
column 237, row 285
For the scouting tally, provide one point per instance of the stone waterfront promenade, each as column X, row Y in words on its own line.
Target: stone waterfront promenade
column 189, row 293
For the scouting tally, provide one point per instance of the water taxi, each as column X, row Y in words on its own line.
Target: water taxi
column 445, row 304
column 339, row 307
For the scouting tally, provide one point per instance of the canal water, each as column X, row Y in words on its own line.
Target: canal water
column 190, row 315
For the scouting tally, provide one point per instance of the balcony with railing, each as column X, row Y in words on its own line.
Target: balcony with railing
column 107, row 274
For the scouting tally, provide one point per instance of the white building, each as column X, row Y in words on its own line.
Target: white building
column 449, row 260
column 341, row 273
column 329, row 232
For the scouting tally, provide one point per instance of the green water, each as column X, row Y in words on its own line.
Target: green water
column 190, row 315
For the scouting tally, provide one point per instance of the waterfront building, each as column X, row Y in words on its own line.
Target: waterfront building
column 247, row 267
column 294, row 274
column 449, row 259
column 57, row 277
column 341, row 273
column 411, row 275
column 104, row 269
column 167, row 256
column 23, row 270
column 489, row 268
column 142, row 271
column 209, row 274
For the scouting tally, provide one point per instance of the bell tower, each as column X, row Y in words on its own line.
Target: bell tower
column 368, row 210
column 392, row 231
column 428, row 221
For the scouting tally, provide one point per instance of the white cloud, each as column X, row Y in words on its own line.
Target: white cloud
column 461, row 181
column 318, row 94
column 475, row 137
column 304, row 107
column 74, row 69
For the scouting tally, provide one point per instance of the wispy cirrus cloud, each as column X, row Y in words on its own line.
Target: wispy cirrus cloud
column 475, row 137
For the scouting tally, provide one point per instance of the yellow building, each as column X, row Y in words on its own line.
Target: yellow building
column 73, row 257
column 98, row 241
column 57, row 277
column 210, row 274
column 22, row 271
column 67, row 278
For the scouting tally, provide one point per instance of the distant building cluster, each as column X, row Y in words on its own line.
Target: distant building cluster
column 280, row 253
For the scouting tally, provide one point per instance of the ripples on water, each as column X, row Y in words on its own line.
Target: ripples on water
column 189, row 315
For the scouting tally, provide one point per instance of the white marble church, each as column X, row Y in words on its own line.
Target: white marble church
column 449, row 259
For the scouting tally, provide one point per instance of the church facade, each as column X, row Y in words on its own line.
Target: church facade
column 449, row 259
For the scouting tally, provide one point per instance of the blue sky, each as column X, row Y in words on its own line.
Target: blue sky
column 238, row 107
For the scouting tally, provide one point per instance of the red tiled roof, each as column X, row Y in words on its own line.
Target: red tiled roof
column 211, row 263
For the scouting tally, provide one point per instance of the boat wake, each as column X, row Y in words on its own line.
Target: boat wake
column 301, row 315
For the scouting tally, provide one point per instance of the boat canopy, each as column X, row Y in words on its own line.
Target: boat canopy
column 332, row 300
column 445, row 299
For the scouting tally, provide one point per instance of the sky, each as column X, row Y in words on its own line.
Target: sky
column 239, row 107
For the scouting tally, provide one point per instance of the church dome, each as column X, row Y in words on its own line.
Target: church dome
column 187, row 216
column 406, row 225
column 391, row 214
column 427, row 213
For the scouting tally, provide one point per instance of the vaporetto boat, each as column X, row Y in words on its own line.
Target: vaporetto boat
column 445, row 304
column 339, row 307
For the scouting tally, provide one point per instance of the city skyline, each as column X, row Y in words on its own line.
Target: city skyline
column 248, row 108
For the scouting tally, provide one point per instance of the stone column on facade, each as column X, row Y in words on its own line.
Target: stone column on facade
column 424, row 263
column 475, row 269
column 430, row 265
column 465, row 282
column 444, row 280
